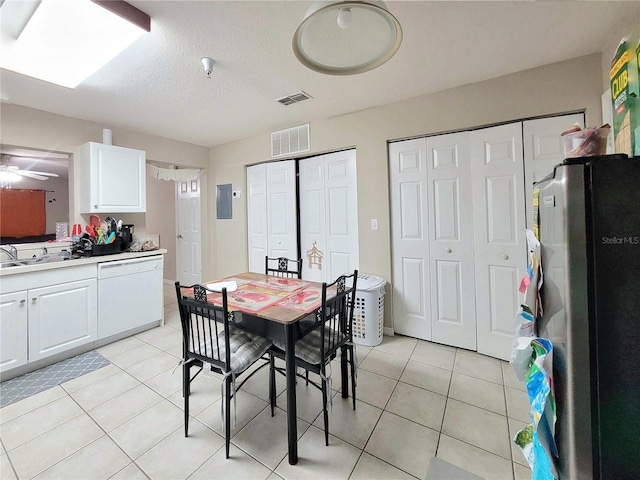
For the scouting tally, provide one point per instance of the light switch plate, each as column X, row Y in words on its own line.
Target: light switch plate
column 374, row 224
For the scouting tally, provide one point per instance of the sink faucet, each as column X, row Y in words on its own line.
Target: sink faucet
column 12, row 252
column 45, row 251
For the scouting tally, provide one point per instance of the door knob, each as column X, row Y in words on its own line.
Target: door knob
column 505, row 257
column 448, row 250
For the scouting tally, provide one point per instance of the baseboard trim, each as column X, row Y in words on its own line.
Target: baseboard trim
column 388, row 331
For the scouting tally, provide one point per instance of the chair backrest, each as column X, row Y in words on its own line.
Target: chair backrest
column 283, row 267
column 336, row 313
column 205, row 326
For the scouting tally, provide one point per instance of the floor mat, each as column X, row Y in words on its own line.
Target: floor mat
column 31, row 383
column 441, row 470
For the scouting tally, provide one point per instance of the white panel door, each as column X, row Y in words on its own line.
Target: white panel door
column 188, row 261
column 451, row 262
column 410, row 238
column 328, row 215
column 282, row 224
column 341, row 210
column 543, row 149
column 313, row 242
column 499, row 222
column 257, row 216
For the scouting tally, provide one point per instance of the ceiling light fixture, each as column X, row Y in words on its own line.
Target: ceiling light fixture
column 345, row 38
column 65, row 42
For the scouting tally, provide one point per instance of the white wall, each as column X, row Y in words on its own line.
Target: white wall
column 567, row 86
column 161, row 219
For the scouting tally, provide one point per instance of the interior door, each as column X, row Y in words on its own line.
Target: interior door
column 451, row 262
column 497, row 173
column 543, row 149
column 257, row 216
column 329, row 215
column 341, row 199
column 313, row 241
column 188, row 259
column 282, row 224
column 410, row 238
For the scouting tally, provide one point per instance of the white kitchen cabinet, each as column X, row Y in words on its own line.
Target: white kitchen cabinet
column 112, row 179
column 13, row 330
column 62, row 317
column 46, row 314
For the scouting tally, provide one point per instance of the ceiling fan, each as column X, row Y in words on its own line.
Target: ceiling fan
column 8, row 170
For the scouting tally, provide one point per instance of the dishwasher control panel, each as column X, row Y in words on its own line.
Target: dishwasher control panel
column 127, row 267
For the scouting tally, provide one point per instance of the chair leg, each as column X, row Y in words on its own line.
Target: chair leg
column 227, row 413
column 324, row 410
column 353, row 375
column 343, row 371
column 272, row 383
column 186, row 391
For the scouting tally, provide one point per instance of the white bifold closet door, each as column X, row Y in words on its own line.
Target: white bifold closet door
column 271, row 212
column 328, row 215
column 458, row 204
column 433, row 264
column 543, row 149
column 497, row 173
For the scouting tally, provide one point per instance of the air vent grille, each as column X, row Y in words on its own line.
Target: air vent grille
column 291, row 140
column 294, row 98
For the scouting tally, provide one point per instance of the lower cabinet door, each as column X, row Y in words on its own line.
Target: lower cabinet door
column 61, row 317
column 13, row 330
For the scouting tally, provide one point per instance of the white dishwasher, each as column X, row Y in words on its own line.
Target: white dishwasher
column 129, row 295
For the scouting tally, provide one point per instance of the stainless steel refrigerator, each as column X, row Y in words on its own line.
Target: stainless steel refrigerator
column 588, row 221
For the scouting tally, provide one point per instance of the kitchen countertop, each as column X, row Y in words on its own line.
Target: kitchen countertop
column 5, row 271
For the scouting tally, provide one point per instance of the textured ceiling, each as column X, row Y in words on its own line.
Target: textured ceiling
column 158, row 85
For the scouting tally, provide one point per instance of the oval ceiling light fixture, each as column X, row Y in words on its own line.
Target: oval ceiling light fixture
column 346, row 38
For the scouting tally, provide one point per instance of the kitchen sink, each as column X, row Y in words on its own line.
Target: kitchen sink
column 13, row 263
column 33, row 261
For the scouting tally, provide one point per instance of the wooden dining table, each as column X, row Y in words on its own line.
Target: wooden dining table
column 272, row 307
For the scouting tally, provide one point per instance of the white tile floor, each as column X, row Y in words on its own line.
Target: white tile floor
column 415, row 400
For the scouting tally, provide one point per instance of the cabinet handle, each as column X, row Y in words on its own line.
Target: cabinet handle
column 22, row 302
column 179, row 236
column 448, row 250
column 95, row 206
column 33, row 300
column 505, row 257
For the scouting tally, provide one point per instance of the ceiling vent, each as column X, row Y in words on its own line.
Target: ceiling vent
column 294, row 98
column 291, row 140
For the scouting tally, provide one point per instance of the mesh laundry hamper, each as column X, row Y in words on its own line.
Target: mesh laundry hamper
column 368, row 313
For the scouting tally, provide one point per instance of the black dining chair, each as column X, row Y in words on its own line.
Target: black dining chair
column 211, row 341
column 283, row 267
column 314, row 351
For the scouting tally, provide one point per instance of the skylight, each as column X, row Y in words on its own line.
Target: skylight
column 65, row 42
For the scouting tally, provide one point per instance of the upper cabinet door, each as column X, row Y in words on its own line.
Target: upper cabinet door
column 112, row 179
